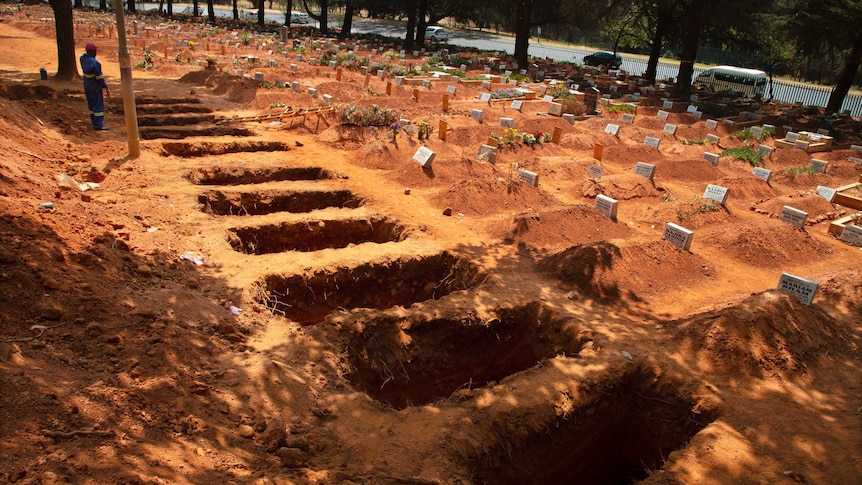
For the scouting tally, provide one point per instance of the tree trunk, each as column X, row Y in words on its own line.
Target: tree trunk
column 322, row 19
column 522, row 31
column 421, row 22
column 210, row 12
column 261, row 13
column 195, row 8
column 694, row 22
column 410, row 7
column 347, row 25
column 171, row 9
column 67, row 68
column 235, row 10
column 78, row 4
column 288, row 9
column 851, row 66
column 103, row 5
column 130, row 6
column 662, row 26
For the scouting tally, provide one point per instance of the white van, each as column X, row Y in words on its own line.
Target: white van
column 752, row 82
column 298, row 18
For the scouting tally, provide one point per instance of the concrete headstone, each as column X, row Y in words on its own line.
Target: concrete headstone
column 716, row 193
column 531, row 178
column 801, row 288
column 612, row 129
column 711, row 158
column 826, row 192
column 595, row 171
column 652, row 142
column 762, row 173
column 423, row 156
column 645, row 170
column 606, row 206
column 793, row 216
column 678, row 236
column 851, row 235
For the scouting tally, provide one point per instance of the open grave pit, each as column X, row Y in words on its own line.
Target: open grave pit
column 243, row 176
column 307, row 236
column 308, row 299
column 622, row 429
column 271, row 201
column 416, row 360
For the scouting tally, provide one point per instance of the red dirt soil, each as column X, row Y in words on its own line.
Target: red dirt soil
column 498, row 333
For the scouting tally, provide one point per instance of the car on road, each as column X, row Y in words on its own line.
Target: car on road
column 436, row 34
column 299, row 18
column 604, row 58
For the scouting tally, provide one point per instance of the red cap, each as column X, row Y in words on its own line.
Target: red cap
column 90, row 47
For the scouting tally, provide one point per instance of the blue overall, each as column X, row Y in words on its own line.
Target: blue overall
column 94, row 82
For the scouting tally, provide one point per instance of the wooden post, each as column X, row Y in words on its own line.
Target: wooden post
column 492, row 142
column 416, row 94
column 558, row 133
column 367, row 80
column 445, row 102
column 597, row 152
column 389, row 87
column 441, row 131
column 222, row 49
column 166, row 51
column 338, row 74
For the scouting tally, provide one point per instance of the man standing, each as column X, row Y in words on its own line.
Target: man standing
column 94, row 82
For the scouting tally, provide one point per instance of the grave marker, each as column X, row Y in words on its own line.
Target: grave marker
column 485, row 97
column 667, row 105
column 756, row 131
column 606, row 206
column 591, row 99
column 791, row 137
column 678, row 236
column 645, row 170
column 327, row 99
column 486, row 85
column 662, row 114
column 801, row 288
column 333, row 64
column 697, row 114
column 338, row 73
column 856, row 148
column 819, row 166
column 712, row 138
column 802, row 145
column 851, row 235
column 293, row 68
column 595, row 171
column 556, row 135
column 822, row 131
column 441, row 131
column 628, row 118
column 531, row 178
column 445, row 102
column 555, row 109
column 424, row 156
column 690, row 108
column 711, row 158
column 669, row 128
column 826, row 192
column 762, row 173
column 507, row 122
column 426, row 83
column 476, row 114
column 716, row 193
column 569, row 117
column 548, row 98
column 597, row 151
column 389, row 87
column 516, row 104
column 451, row 90
column 399, row 80
column 312, row 92
column 612, row 129
column 764, row 150
column 652, row 142
column 487, row 153
column 793, row 216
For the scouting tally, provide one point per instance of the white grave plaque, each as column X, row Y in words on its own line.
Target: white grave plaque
column 762, row 173
column 667, row 105
column 333, row 64
column 855, row 160
column 852, row 235
column 669, row 128
column 486, row 97
column 793, row 216
column 476, row 114
column 451, row 90
column 822, row 131
column 399, row 80
column 293, row 68
column 487, row 153
column 424, row 156
column 791, row 137
column 711, row 124
column 645, row 170
column 570, row 118
column 295, row 86
column 548, row 98
column 516, row 104
column 652, row 142
column 826, row 192
column 555, row 109
column 856, row 148
column 507, row 122
column 662, row 115
column 818, row 165
column 712, row 138
column 606, row 206
column 531, row 178
column 628, row 118
column 716, row 193
column 756, row 132
column 486, row 85
column 764, row 150
column 595, row 171
column 691, row 108
column 678, row 235
column 312, row 92
column 612, row 129
column 426, row 83
column 711, row 158
column 801, row 288
column 802, row 145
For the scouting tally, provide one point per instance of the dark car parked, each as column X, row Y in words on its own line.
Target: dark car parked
column 602, row 58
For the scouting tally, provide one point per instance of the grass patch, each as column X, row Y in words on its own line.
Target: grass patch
column 744, row 153
column 622, row 107
column 799, row 170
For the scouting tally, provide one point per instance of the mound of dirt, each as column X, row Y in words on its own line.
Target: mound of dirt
column 607, row 272
column 818, row 208
column 485, row 197
column 763, row 335
column 570, row 226
column 769, row 243
column 620, row 187
column 694, row 170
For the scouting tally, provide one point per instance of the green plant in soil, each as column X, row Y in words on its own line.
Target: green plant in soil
column 621, row 107
column 800, row 170
column 744, row 153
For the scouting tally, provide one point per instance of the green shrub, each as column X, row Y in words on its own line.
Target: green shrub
column 367, row 115
column 744, row 153
column 799, row 170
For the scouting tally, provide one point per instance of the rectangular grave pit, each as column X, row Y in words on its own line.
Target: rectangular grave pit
column 229, row 203
column 305, row 236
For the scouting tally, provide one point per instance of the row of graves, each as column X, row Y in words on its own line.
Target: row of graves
column 258, row 56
